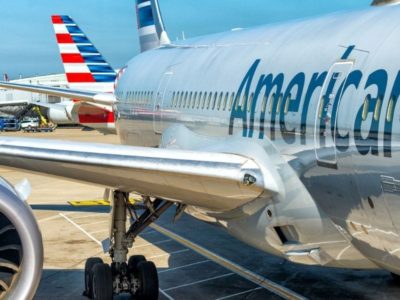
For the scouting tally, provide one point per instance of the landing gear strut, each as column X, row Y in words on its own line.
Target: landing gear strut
column 136, row 276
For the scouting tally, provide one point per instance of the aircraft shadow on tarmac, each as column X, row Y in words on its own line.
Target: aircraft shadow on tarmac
column 310, row 281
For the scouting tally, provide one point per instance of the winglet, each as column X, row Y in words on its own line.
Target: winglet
column 151, row 27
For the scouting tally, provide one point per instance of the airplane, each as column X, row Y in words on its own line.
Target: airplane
column 285, row 135
column 85, row 69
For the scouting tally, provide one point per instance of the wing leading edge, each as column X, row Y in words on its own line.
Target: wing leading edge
column 215, row 181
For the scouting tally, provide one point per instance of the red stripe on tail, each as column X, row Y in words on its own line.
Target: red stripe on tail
column 72, row 58
column 57, row 20
column 64, row 38
column 80, row 77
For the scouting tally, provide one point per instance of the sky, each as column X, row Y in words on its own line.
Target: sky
column 28, row 46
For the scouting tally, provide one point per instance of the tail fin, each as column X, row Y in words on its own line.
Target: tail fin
column 151, row 28
column 84, row 66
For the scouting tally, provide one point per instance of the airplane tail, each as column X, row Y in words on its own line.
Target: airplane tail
column 84, row 66
column 151, row 28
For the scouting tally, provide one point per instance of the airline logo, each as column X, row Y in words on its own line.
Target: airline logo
column 82, row 62
column 86, row 69
column 375, row 113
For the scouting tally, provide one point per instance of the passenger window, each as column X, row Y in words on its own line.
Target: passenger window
column 226, row 101
column 389, row 114
column 185, row 100
column 194, row 100
column 181, row 99
column 271, row 102
column 214, row 101
column 287, row 103
column 244, row 97
column 219, row 106
column 209, row 100
column 173, row 100
column 203, row 101
column 199, row 100
column 250, row 102
column 279, row 104
column 321, row 107
column 264, row 103
column 231, row 101
column 365, row 108
column 175, row 97
column 189, row 103
column 377, row 110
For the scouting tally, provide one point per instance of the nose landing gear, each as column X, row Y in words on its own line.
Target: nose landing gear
column 136, row 276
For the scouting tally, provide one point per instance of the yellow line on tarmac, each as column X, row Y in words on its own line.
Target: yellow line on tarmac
column 96, row 202
column 233, row 267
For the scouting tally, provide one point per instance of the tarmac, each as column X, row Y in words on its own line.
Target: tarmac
column 194, row 260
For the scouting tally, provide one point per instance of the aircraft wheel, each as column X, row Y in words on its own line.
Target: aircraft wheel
column 102, row 282
column 148, row 281
column 90, row 263
column 396, row 277
column 133, row 262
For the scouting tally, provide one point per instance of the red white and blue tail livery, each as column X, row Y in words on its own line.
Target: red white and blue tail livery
column 85, row 69
column 84, row 66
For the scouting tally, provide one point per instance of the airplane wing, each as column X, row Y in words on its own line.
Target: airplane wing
column 84, row 96
column 215, row 181
column 14, row 103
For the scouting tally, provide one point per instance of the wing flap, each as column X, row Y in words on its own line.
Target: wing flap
column 84, row 96
column 216, row 181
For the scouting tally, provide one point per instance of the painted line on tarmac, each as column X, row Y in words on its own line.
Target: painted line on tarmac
column 49, row 218
column 152, row 244
column 233, row 267
column 199, row 281
column 166, row 295
column 81, row 229
column 185, row 266
column 168, row 254
column 241, row 293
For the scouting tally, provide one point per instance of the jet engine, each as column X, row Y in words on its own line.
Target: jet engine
column 61, row 115
column 21, row 246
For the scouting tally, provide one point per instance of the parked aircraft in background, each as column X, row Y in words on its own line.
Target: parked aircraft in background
column 285, row 135
column 85, row 69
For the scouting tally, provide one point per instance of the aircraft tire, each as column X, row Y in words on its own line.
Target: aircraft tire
column 396, row 277
column 148, row 279
column 133, row 262
column 102, row 282
column 90, row 263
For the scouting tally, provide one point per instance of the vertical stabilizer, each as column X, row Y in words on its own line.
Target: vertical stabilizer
column 84, row 66
column 151, row 28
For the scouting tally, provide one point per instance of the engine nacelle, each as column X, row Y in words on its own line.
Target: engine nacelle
column 21, row 246
column 60, row 116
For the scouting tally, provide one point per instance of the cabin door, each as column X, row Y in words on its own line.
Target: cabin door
column 326, row 115
column 159, row 99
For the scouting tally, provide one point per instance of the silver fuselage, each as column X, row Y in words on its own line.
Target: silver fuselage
column 320, row 96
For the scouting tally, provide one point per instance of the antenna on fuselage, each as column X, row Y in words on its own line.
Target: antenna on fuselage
column 384, row 2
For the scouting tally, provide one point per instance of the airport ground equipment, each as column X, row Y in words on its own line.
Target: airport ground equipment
column 12, row 124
